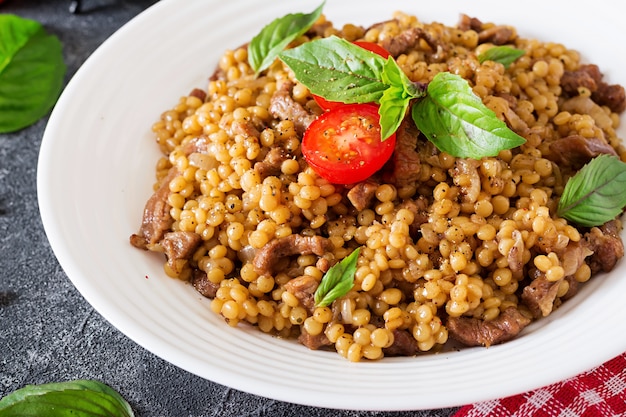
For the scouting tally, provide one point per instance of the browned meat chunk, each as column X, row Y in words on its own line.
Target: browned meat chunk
column 419, row 208
column 202, row 284
column 404, row 344
column 611, row 95
column 314, row 342
column 540, row 294
column 179, row 247
column 266, row 257
column 469, row 23
column 244, row 128
column 405, row 164
column 361, row 194
column 576, row 151
column 607, row 246
column 156, row 215
column 271, row 164
column 589, row 76
column 498, row 35
column 284, row 107
column 303, row 288
column 475, row 332
column 403, row 43
column 196, row 92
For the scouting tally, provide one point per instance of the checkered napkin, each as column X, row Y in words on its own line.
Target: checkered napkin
column 600, row 392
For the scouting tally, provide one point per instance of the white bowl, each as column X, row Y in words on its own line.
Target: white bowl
column 96, row 171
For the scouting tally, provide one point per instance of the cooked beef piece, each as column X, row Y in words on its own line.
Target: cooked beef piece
column 303, row 288
column 196, row 92
column 576, row 151
column 404, row 344
column 539, row 296
column 611, row 95
column 272, row 162
column 203, row 285
column 403, row 168
column 573, row 256
column 361, row 194
column 469, row 23
column 404, row 42
column 267, row 256
column 515, row 257
column 244, row 128
column 323, row 264
column 607, row 246
column 179, row 246
column 589, row 77
column 314, row 342
column 284, row 107
column 319, row 29
column 475, row 332
column 497, row 35
column 156, row 215
column 586, row 76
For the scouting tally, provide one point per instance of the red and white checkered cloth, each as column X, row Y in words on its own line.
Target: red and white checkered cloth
column 600, row 392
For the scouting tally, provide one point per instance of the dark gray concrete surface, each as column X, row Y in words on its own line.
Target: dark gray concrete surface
column 48, row 332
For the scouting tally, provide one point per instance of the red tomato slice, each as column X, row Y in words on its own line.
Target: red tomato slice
column 343, row 145
column 370, row 46
column 373, row 47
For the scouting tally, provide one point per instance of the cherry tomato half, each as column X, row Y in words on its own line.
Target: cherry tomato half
column 343, row 144
column 370, row 46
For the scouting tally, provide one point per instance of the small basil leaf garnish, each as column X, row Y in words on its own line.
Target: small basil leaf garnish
column 273, row 38
column 504, row 54
column 456, row 121
column 397, row 98
column 337, row 281
column 31, row 72
column 337, row 70
column 80, row 398
column 596, row 194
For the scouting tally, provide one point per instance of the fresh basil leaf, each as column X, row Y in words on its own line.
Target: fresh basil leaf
column 31, row 72
column 596, row 194
column 396, row 99
column 456, row 121
column 337, row 70
column 504, row 54
column 81, row 398
column 337, row 281
column 274, row 38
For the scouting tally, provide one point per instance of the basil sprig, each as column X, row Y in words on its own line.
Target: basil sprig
column 337, row 281
column 31, row 72
column 339, row 70
column 448, row 113
column 80, row 398
column 273, row 38
column 596, row 194
column 455, row 119
column 504, row 54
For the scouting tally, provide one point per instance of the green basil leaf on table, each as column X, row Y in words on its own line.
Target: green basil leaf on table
column 337, row 281
column 337, row 70
column 504, row 54
column 31, row 72
column 274, row 38
column 80, row 398
column 456, row 121
column 596, row 194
